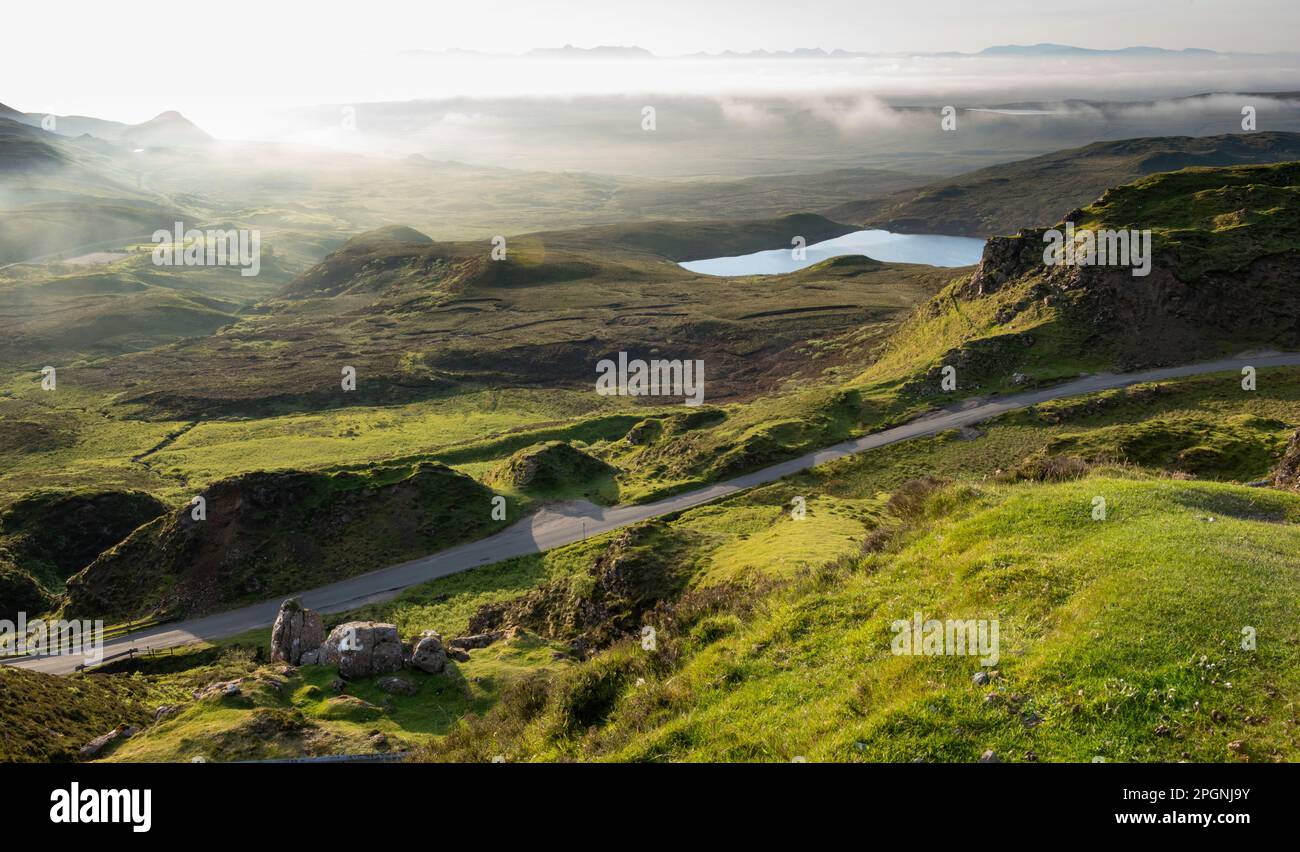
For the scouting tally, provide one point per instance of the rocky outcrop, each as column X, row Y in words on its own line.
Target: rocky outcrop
column 1006, row 259
column 296, row 631
column 361, row 649
column 396, row 685
column 222, row 689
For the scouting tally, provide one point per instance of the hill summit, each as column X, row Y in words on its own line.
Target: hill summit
column 166, row 130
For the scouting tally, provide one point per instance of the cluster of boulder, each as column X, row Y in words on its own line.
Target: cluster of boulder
column 363, row 648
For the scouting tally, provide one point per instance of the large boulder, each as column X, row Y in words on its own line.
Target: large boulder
column 429, row 655
column 296, row 632
column 362, row 649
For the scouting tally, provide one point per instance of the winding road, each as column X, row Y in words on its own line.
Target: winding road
column 563, row 523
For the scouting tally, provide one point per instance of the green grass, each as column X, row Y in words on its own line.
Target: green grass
column 985, row 531
column 1241, row 448
column 48, row 719
column 1109, row 629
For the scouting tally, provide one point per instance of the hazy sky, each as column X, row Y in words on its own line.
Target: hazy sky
column 130, row 59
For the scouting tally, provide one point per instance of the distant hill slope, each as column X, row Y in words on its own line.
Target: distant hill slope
column 59, row 193
column 417, row 317
column 167, row 129
column 682, row 241
column 22, row 148
column 1005, row 198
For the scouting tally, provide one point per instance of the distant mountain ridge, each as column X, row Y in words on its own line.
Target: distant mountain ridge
column 570, row 51
column 598, row 52
column 167, row 129
column 1049, row 49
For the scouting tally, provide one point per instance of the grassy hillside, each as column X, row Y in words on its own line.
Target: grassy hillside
column 1120, row 639
column 49, row 719
column 1121, row 636
column 274, row 533
column 47, row 536
column 1223, row 280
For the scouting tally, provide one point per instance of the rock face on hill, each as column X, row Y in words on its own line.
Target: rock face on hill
column 1224, row 276
column 270, row 533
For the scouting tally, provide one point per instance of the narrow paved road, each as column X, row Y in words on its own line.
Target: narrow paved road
column 568, row 522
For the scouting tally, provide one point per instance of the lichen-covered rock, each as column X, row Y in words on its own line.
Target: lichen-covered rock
column 363, row 649
column 429, row 655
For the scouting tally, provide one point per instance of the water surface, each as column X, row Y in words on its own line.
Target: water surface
column 931, row 249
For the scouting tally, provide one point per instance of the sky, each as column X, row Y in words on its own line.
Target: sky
column 129, row 60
